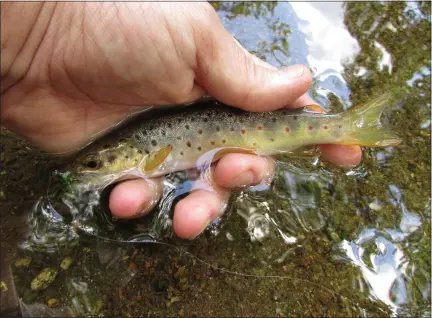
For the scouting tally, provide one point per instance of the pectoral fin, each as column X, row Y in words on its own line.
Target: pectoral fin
column 155, row 159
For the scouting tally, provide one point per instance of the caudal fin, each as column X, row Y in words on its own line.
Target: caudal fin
column 366, row 129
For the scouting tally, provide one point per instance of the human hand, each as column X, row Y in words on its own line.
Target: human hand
column 72, row 70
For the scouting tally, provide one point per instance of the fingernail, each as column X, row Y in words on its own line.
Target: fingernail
column 294, row 71
column 352, row 151
column 244, row 179
column 152, row 198
column 203, row 227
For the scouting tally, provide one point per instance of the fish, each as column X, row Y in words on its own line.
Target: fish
column 177, row 140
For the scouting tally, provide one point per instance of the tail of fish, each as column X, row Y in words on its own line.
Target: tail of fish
column 366, row 128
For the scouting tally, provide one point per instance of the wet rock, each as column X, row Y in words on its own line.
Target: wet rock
column 180, row 272
column 52, row 303
column 43, row 279
column 23, row 262
column 66, row 263
column 160, row 284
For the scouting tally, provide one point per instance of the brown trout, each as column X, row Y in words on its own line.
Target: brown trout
column 177, row 139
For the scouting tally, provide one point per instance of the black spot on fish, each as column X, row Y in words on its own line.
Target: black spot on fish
column 295, row 117
column 271, row 139
column 187, row 127
column 178, row 138
column 169, row 125
column 340, row 126
column 112, row 158
column 122, row 140
column 199, row 148
column 218, row 129
column 130, row 146
column 163, row 133
column 154, row 142
column 137, row 137
column 106, row 146
column 223, row 141
column 274, row 119
column 181, row 153
column 205, row 120
column 146, row 151
column 192, row 119
column 126, row 157
column 139, row 151
column 189, row 144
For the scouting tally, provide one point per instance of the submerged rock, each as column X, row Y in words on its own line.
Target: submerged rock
column 43, row 279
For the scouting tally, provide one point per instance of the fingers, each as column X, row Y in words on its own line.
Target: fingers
column 134, row 198
column 239, row 170
column 193, row 213
column 342, row 156
column 208, row 200
column 237, row 78
column 302, row 101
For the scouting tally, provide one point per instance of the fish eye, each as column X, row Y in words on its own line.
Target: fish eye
column 92, row 162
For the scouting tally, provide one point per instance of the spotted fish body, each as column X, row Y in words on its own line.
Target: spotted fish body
column 177, row 140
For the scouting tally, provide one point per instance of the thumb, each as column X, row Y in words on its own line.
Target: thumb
column 237, row 78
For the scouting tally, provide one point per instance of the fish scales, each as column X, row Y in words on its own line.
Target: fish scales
column 197, row 132
column 176, row 140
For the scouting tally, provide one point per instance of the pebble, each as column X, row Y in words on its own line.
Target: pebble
column 374, row 206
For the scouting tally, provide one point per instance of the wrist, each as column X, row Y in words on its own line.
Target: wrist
column 23, row 27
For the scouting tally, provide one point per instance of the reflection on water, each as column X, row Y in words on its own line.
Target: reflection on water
column 353, row 242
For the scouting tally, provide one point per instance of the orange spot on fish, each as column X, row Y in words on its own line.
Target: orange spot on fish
column 200, row 131
column 213, row 143
column 260, row 127
column 310, row 127
column 243, row 131
column 286, row 129
column 326, row 127
column 231, row 129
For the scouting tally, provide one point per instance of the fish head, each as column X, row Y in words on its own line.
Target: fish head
column 101, row 164
column 78, row 189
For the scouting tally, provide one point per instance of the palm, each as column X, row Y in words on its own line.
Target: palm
column 88, row 81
